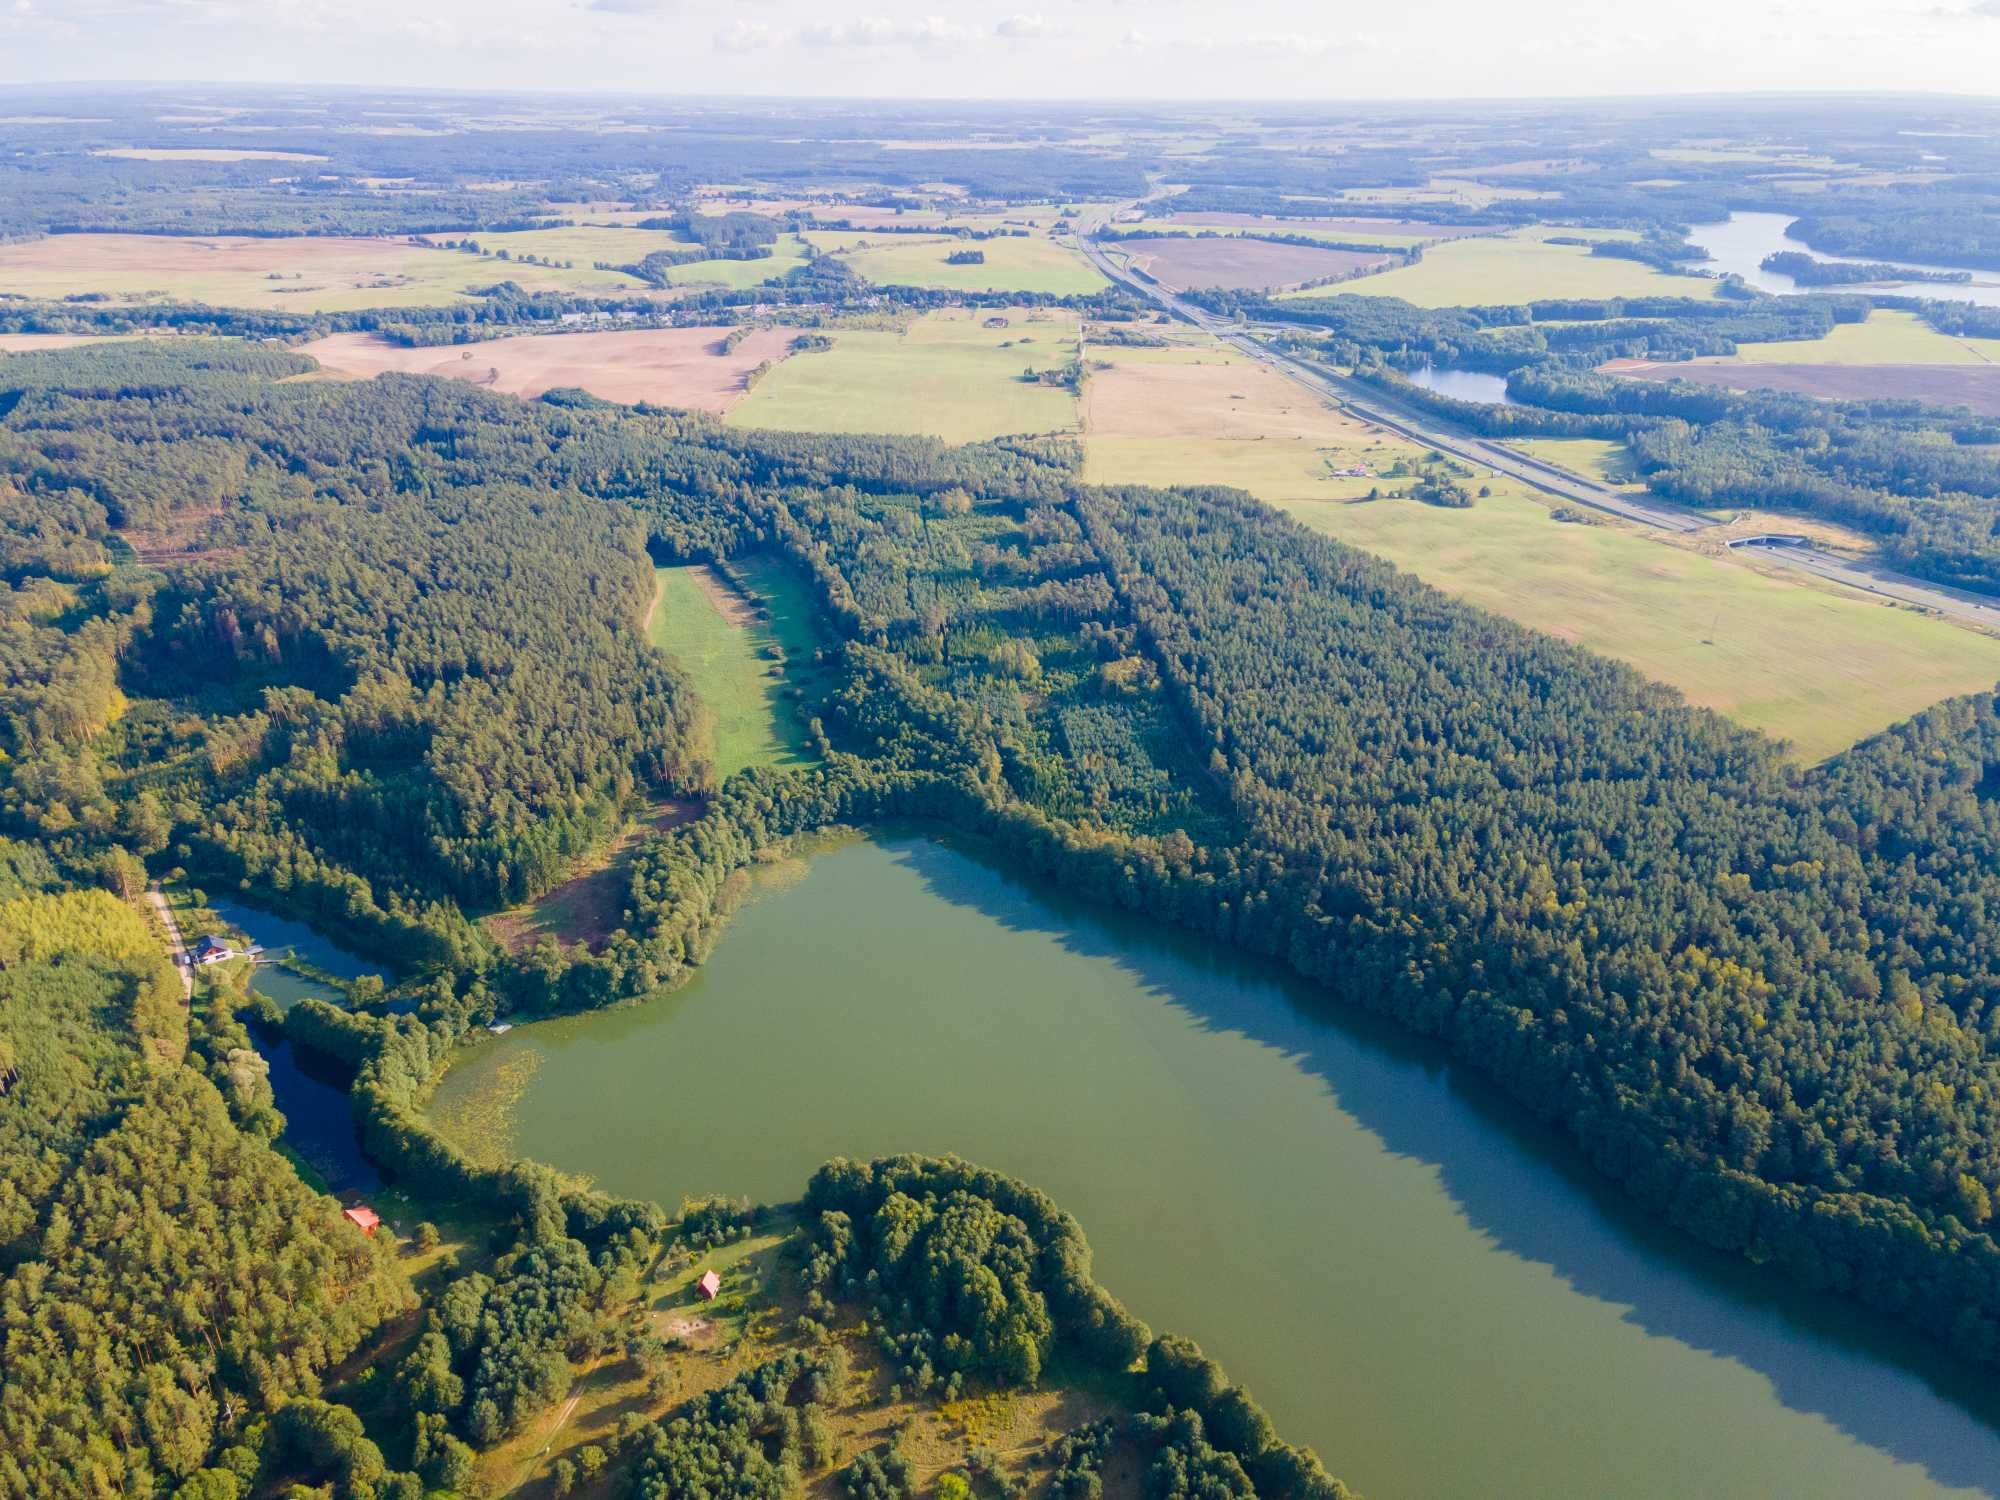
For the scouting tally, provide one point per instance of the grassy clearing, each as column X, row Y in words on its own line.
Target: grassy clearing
column 1033, row 264
column 1521, row 267
column 1819, row 667
column 947, row 375
column 1886, row 338
column 742, row 656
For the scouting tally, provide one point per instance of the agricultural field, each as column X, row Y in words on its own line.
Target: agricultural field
column 1197, row 413
column 27, row 343
column 788, row 253
column 1973, row 385
column 585, row 244
column 1819, row 667
column 1238, row 263
column 1521, row 267
column 681, row 367
column 202, row 153
column 740, row 646
column 1886, row 338
column 1032, row 264
column 947, row 375
column 286, row 274
column 1393, row 234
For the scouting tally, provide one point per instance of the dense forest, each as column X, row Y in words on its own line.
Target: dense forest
column 1757, row 996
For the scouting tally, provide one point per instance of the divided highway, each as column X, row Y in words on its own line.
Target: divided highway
column 1371, row 405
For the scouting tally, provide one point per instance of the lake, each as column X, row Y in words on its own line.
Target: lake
column 1462, row 385
column 319, row 1122
column 1740, row 243
column 1435, row 1295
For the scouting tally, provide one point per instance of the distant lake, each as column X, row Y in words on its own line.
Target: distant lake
column 319, row 1121
column 1740, row 243
column 1462, row 385
column 1431, row 1291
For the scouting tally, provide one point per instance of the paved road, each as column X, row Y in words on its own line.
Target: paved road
column 166, row 913
column 1372, row 405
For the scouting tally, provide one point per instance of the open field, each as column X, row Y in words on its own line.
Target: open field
column 291, row 274
column 585, row 244
column 1976, row 386
column 1395, row 233
column 1602, row 459
column 27, row 343
column 946, row 375
column 738, row 652
column 1886, row 338
column 202, row 153
column 1033, row 264
column 1522, row 267
column 735, row 274
column 1819, row 667
column 667, row 366
column 1200, row 414
column 1238, row 263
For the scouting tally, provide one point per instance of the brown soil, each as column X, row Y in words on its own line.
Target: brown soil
column 589, row 906
column 680, row 367
column 27, row 343
column 1240, row 263
column 1976, row 386
column 729, row 601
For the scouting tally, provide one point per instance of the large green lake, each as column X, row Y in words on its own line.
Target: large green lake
column 1435, row 1296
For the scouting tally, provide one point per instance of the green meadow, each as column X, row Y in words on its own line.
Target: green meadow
column 743, row 665
column 1818, row 666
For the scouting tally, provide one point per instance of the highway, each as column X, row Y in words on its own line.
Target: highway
column 1371, row 405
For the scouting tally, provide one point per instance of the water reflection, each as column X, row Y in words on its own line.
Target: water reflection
column 310, row 1093
column 1739, row 244
column 1462, row 385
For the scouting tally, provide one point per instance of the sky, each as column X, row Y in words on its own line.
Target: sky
column 1023, row 49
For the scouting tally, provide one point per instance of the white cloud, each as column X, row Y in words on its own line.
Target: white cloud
column 752, row 36
column 1020, row 28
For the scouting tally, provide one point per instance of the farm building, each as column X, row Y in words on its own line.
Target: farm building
column 708, row 1286
column 362, row 1217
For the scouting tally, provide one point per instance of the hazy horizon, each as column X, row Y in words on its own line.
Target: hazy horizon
column 1052, row 51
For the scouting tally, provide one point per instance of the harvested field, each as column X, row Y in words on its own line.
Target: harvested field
column 1203, row 415
column 299, row 273
column 1976, row 386
column 1238, row 263
column 666, row 366
column 27, row 343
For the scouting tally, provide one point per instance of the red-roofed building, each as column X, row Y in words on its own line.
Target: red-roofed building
column 708, row 1286
column 363, row 1218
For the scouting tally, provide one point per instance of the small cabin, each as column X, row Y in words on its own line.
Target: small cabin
column 709, row 1285
column 362, row 1217
column 210, row 950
